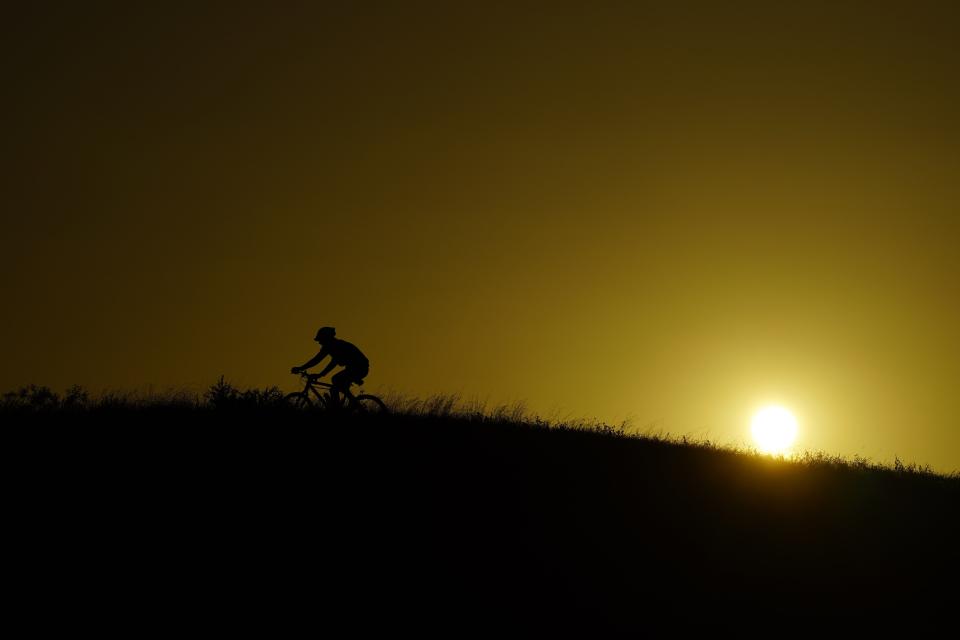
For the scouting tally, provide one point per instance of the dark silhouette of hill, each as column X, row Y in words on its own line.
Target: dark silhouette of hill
column 239, row 512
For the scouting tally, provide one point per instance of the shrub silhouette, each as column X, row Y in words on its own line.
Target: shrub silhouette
column 76, row 397
column 224, row 396
column 32, row 397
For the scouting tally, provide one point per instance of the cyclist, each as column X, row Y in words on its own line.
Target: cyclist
column 342, row 353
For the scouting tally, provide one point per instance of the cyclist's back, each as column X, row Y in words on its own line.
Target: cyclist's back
column 345, row 354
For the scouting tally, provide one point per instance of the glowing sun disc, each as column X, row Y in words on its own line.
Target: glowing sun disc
column 774, row 429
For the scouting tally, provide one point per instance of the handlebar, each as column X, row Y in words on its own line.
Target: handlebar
column 314, row 378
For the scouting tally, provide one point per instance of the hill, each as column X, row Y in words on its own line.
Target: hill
column 175, row 513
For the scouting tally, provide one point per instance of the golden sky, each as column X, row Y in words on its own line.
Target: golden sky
column 669, row 212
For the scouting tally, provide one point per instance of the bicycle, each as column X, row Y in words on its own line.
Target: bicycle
column 363, row 403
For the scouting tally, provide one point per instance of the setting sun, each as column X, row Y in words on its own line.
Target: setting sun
column 774, row 429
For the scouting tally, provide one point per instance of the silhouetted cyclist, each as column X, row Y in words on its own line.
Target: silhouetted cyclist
column 343, row 354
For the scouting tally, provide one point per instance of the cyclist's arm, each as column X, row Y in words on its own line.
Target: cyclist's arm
column 327, row 369
column 314, row 360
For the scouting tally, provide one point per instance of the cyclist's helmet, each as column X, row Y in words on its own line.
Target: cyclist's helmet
column 325, row 333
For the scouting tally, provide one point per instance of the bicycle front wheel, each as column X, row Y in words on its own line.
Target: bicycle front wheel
column 298, row 400
column 367, row 404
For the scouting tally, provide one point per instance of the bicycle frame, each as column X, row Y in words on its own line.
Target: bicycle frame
column 312, row 383
column 363, row 403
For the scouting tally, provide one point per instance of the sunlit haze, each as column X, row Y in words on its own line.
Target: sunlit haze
column 774, row 430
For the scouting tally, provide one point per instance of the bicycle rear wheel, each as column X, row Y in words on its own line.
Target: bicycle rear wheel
column 367, row 404
column 298, row 400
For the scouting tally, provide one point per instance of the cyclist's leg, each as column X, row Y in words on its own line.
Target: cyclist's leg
column 357, row 374
column 341, row 386
column 347, row 377
column 360, row 373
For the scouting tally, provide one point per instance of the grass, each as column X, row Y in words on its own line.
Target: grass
column 43, row 403
column 454, row 517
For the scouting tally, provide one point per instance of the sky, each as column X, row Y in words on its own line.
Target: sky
column 668, row 213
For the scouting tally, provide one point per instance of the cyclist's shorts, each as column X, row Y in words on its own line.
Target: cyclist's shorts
column 351, row 375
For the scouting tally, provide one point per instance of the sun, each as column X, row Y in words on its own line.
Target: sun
column 774, row 429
